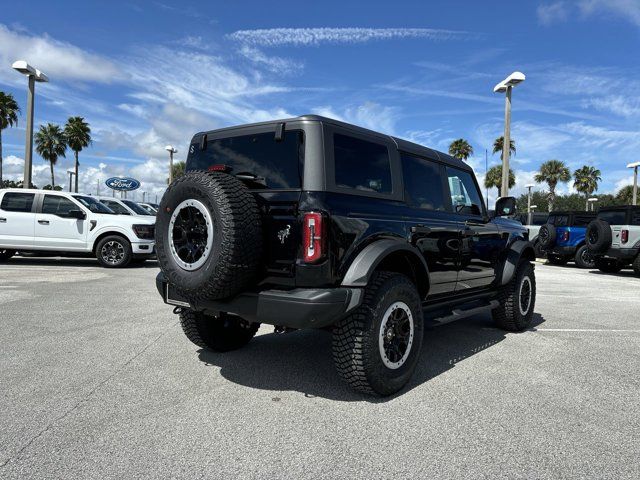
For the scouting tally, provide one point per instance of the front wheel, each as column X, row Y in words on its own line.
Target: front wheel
column 6, row 254
column 583, row 258
column 220, row 334
column 376, row 348
column 517, row 300
column 114, row 251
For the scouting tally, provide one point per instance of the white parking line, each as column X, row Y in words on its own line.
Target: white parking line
column 583, row 330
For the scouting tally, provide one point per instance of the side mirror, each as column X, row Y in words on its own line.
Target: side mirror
column 79, row 214
column 505, row 206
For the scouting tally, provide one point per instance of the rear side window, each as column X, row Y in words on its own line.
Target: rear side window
column 17, row 202
column 614, row 217
column 361, row 165
column 258, row 159
column 116, row 207
column 635, row 218
column 59, row 206
column 465, row 197
column 559, row 220
column 422, row 183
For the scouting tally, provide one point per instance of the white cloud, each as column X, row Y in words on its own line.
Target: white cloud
column 625, row 9
column 624, row 106
column 271, row 37
column 368, row 115
column 283, row 66
column 59, row 60
column 552, row 12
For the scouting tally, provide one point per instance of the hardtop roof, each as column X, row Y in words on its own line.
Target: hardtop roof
column 614, row 208
column 401, row 144
column 572, row 212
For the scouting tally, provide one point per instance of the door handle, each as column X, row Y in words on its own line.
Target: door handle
column 421, row 229
column 3, row 220
column 43, row 222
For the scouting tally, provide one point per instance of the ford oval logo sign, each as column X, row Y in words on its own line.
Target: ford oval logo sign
column 124, row 184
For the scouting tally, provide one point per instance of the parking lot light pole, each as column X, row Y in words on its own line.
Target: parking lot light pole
column 71, row 174
column 635, row 166
column 529, row 187
column 592, row 202
column 506, row 86
column 34, row 75
column 171, row 150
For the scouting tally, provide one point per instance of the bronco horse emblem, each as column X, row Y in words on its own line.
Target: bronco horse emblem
column 284, row 233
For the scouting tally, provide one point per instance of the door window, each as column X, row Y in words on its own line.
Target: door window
column 116, row 207
column 17, row 202
column 422, row 183
column 465, row 197
column 361, row 165
column 60, row 206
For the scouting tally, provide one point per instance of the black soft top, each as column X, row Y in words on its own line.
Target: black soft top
column 403, row 145
column 573, row 212
column 620, row 208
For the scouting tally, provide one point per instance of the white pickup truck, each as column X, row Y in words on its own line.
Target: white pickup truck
column 71, row 224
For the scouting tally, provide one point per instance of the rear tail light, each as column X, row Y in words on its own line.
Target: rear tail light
column 565, row 236
column 313, row 237
column 624, row 236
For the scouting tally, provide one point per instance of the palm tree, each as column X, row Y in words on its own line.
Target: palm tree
column 50, row 144
column 586, row 181
column 493, row 178
column 499, row 142
column 625, row 195
column 552, row 172
column 8, row 118
column 461, row 149
column 78, row 136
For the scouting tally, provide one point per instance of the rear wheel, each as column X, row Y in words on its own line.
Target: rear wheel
column 517, row 300
column 220, row 334
column 114, row 251
column 583, row 258
column 377, row 347
column 6, row 254
column 636, row 265
column 540, row 253
column 557, row 260
column 608, row 266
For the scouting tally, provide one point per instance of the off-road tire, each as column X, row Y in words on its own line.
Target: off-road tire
column 598, row 236
column 539, row 252
column 6, row 254
column 356, row 351
column 580, row 259
column 236, row 248
column 556, row 260
column 608, row 266
column 220, row 334
column 127, row 254
column 636, row 265
column 510, row 315
column 547, row 235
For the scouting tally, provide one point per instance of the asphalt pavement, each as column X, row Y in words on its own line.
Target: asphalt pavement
column 98, row 381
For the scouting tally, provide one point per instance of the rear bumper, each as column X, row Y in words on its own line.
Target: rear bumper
column 298, row 308
column 623, row 254
column 562, row 251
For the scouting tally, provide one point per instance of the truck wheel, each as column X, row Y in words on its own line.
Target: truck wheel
column 220, row 334
column 636, row 265
column 557, row 260
column 598, row 236
column 540, row 253
column 208, row 235
column 608, row 266
column 583, row 258
column 517, row 300
column 114, row 251
column 6, row 254
column 376, row 348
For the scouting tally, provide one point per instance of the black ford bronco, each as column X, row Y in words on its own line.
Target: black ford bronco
column 313, row 223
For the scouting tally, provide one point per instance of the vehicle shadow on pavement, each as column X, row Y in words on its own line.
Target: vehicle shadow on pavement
column 301, row 361
column 68, row 262
column 622, row 273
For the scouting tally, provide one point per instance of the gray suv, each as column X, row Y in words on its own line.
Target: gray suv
column 613, row 238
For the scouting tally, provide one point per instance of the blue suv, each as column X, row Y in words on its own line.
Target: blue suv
column 563, row 238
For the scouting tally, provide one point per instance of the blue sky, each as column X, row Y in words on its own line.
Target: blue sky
column 148, row 74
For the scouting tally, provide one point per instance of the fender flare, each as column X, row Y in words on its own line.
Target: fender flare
column 518, row 249
column 364, row 265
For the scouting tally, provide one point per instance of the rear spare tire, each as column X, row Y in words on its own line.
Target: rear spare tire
column 547, row 236
column 208, row 235
column 598, row 236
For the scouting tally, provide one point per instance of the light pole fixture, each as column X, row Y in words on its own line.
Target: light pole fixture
column 34, row 75
column 592, row 202
column 635, row 166
column 71, row 174
column 505, row 86
column 171, row 150
column 529, row 187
